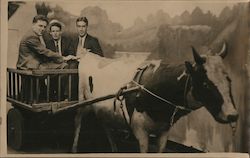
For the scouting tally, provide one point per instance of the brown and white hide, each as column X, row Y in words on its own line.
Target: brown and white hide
column 99, row 76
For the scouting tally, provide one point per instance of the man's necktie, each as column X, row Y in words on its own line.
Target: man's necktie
column 57, row 47
column 80, row 42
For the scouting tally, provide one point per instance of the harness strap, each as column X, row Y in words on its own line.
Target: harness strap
column 137, row 77
column 186, row 91
column 172, row 117
column 121, row 99
column 139, row 72
column 160, row 98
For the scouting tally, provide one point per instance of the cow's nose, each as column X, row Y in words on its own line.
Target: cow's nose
column 232, row 118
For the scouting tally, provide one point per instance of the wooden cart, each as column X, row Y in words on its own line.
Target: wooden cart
column 36, row 108
column 29, row 92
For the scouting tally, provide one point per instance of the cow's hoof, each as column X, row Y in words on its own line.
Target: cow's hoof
column 74, row 150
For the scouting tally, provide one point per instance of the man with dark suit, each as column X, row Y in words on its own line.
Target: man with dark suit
column 84, row 40
column 57, row 41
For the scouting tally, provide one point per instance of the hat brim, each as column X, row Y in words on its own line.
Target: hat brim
column 52, row 22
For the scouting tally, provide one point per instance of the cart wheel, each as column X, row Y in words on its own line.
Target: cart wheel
column 15, row 129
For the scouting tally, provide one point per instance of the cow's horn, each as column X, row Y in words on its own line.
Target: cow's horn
column 197, row 58
column 223, row 52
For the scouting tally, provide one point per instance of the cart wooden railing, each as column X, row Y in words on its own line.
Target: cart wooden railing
column 24, row 88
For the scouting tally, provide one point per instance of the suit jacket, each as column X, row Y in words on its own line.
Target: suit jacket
column 91, row 43
column 65, row 44
column 32, row 53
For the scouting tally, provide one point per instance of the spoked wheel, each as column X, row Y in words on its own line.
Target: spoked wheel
column 15, row 129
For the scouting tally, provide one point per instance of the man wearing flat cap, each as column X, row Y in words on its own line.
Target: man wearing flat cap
column 58, row 42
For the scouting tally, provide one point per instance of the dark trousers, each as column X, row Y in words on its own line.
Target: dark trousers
column 31, row 90
column 34, row 88
column 55, row 90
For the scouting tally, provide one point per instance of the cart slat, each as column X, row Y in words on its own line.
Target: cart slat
column 10, row 84
column 18, row 87
column 7, row 87
column 48, row 87
column 70, row 78
column 37, row 91
column 59, row 87
column 31, row 89
column 14, row 85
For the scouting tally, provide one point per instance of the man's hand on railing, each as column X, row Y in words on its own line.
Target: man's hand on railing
column 70, row 57
column 81, row 52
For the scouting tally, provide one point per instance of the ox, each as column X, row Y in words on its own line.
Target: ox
column 167, row 93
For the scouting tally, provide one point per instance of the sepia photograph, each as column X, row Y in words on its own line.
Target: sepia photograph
column 126, row 77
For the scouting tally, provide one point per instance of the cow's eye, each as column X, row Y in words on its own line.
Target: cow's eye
column 228, row 78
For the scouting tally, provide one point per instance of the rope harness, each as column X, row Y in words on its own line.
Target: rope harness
column 162, row 99
column 177, row 107
column 136, row 81
column 121, row 98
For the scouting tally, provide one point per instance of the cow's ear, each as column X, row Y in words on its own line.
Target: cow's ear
column 197, row 58
column 189, row 67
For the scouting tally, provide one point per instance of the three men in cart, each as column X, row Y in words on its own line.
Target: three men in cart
column 36, row 51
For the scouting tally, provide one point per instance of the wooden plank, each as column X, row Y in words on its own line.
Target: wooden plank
column 54, row 72
column 22, row 88
column 21, row 104
column 59, row 88
column 43, row 72
column 24, row 98
column 31, row 89
column 38, row 90
column 10, row 84
column 94, row 100
column 39, row 107
column 23, row 72
column 14, row 85
column 18, row 87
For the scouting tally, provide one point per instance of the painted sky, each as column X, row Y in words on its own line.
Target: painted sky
column 126, row 11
